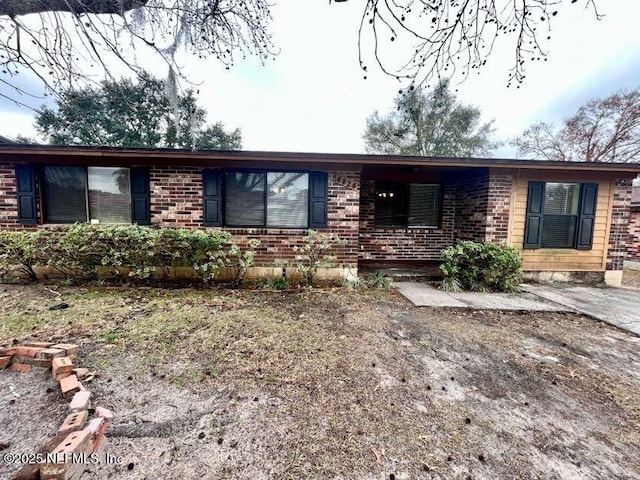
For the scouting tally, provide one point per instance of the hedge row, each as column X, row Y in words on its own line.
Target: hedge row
column 81, row 249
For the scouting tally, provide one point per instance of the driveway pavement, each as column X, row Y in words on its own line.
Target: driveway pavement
column 616, row 306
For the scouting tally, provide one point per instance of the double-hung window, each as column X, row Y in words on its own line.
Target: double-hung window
column 80, row 194
column 73, row 193
column 267, row 199
column 560, row 215
column 408, row 205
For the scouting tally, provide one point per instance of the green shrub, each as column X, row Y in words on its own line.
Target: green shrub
column 278, row 283
column 19, row 253
column 481, row 267
column 238, row 262
column 316, row 252
column 377, row 280
column 78, row 250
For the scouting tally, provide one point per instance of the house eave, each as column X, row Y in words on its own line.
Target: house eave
column 211, row 158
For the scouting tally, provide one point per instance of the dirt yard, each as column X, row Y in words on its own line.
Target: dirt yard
column 333, row 384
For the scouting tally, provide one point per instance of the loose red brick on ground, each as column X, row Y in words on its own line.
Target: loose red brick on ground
column 69, row 385
column 61, row 365
column 75, row 421
column 20, row 367
column 104, row 413
column 28, row 351
column 37, row 362
column 80, row 401
column 38, row 344
column 76, row 442
column 70, row 349
column 50, row 353
column 4, row 362
column 97, row 427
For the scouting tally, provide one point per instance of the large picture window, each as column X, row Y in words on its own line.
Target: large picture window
column 82, row 194
column 560, row 215
column 266, row 199
column 408, row 205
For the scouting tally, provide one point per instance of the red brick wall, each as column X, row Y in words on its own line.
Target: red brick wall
column 498, row 208
column 472, row 200
column 378, row 243
column 483, row 208
column 633, row 249
column 176, row 202
column 8, row 200
column 276, row 244
column 619, row 231
column 176, row 196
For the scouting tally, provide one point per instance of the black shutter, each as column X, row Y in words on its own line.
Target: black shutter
column 535, row 205
column 212, row 197
column 586, row 220
column 140, row 196
column 26, row 192
column 318, row 199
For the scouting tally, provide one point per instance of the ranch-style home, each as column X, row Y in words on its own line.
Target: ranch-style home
column 569, row 220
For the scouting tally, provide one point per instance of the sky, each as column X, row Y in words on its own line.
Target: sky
column 313, row 97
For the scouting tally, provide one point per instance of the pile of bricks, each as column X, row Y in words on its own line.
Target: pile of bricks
column 78, row 438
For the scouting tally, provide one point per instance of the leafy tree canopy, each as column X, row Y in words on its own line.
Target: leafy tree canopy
column 429, row 124
column 602, row 130
column 132, row 114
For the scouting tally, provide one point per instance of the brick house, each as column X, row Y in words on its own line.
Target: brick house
column 568, row 220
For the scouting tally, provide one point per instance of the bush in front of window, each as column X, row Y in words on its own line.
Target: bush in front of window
column 19, row 253
column 77, row 251
column 316, row 252
column 481, row 267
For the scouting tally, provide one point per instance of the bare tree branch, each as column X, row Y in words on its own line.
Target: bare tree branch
column 602, row 130
column 449, row 38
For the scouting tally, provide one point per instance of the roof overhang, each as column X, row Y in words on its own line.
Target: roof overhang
column 23, row 153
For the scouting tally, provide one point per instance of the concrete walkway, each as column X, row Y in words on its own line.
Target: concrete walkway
column 424, row 295
column 616, row 306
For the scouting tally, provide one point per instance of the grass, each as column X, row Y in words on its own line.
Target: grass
column 349, row 384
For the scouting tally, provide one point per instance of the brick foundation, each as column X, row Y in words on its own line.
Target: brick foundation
column 619, row 231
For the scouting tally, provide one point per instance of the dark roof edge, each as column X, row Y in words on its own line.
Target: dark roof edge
column 353, row 158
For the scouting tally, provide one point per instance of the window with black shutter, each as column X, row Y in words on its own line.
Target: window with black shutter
column 95, row 194
column 560, row 215
column 274, row 199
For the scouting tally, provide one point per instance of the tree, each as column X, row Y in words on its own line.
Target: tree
column 66, row 42
column 602, row 130
column 132, row 114
column 429, row 124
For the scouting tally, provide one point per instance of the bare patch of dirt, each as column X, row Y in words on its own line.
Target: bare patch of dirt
column 342, row 384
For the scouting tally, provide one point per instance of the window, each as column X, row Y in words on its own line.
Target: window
column 272, row 199
column 560, row 215
column 80, row 194
column 408, row 205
